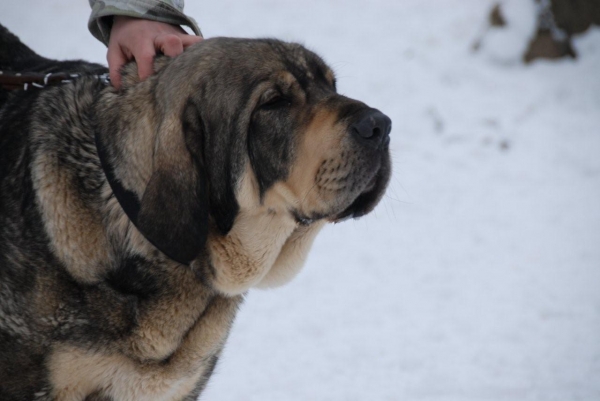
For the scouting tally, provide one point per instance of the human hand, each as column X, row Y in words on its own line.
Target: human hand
column 139, row 39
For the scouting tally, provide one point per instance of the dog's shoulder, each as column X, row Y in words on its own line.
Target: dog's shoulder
column 49, row 166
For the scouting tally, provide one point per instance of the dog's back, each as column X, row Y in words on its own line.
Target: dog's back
column 20, row 350
column 25, row 254
column 16, row 57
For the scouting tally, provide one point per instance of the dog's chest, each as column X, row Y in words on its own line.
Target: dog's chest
column 76, row 373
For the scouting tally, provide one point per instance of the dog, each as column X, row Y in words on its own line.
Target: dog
column 133, row 221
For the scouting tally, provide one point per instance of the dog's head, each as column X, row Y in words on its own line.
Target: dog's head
column 254, row 150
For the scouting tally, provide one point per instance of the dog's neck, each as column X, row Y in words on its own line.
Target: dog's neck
column 125, row 140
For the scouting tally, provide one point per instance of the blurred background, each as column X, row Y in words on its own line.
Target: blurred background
column 478, row 276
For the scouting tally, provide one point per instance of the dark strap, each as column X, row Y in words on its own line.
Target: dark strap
column 128, row 200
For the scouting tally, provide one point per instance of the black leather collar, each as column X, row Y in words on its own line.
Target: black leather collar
column 128, row 200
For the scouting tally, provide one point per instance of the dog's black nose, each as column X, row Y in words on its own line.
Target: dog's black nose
column 373, row 129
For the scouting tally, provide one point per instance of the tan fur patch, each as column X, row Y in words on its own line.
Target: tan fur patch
column 243, row 257
column 76, row 373
column 292, row 256
column 321, row 142
column 162, row 324
column 289, row 83
column 171, row 153
column 137, row 142
column 76, row 233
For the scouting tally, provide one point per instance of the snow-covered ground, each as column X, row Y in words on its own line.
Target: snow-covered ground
column 478, row 277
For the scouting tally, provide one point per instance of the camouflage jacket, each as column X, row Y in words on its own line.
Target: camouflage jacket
column 169, row 11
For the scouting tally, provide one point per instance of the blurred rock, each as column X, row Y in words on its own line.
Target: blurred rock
column 557, row 21
column 546, row 45
column 496, row 17
column 506, row 32
column 576, row 16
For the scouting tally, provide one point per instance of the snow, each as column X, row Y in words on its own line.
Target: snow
column 478, row 276
column 508, row 45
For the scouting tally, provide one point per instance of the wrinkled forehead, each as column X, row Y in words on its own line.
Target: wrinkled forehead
column 306, row 66
column 261, row 57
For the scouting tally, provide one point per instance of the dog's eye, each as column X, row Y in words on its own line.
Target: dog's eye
column 275, row 102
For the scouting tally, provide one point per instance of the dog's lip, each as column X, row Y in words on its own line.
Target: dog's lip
column 304, row 220
column 365, row 201
column 361, row 205
column 353, row 211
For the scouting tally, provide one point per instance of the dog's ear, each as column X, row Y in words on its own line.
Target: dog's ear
column 214, row 145
column 174, row 209
column 223, row 150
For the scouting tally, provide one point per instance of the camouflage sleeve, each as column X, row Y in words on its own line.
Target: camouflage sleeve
column 169, row 11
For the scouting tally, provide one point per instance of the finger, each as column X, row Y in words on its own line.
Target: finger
column 116, row 59
column 169, row 44
column 144, row 57
column 188, row 40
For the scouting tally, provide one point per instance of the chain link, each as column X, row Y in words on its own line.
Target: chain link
column 14, row 80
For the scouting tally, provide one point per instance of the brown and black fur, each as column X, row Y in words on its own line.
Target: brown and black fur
column 228, row 161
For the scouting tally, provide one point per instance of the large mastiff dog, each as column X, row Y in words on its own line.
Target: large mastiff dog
column 132, row 221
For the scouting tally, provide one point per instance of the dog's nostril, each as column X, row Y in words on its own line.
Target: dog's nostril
column 373, row 128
